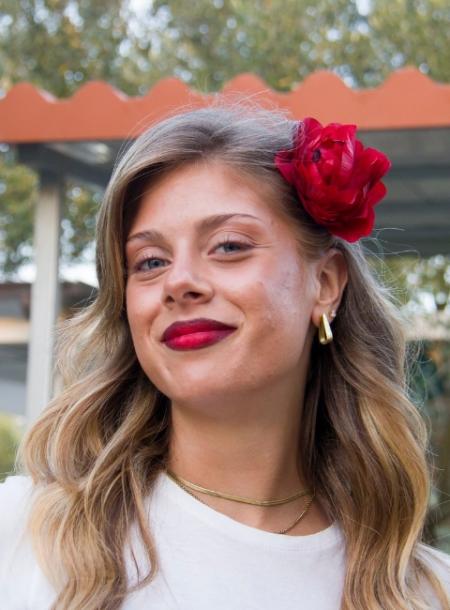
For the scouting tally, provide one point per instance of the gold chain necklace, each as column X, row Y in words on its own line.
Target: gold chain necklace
column 188, row 486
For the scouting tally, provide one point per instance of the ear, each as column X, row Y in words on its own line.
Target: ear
column 331, row 279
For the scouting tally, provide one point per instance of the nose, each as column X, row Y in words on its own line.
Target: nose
column 186, row 281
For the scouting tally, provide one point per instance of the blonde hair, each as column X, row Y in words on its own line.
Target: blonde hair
column 96, row 450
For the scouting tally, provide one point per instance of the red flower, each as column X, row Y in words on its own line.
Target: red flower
column 336, row 178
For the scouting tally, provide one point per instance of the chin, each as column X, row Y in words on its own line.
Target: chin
column 192, row 391
column 206, row 392
column 196, row 391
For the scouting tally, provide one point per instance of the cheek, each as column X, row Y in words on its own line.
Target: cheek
column 287, row 292
column 282, row 304
column 139, row 307
column 141, row 311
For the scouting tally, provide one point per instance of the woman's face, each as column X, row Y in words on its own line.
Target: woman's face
column 179, row 269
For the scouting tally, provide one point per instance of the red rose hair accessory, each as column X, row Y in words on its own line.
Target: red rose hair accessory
column 337, row 180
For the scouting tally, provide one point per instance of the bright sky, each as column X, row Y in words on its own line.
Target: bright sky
column 81, row 272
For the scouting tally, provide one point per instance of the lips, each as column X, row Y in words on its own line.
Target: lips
column 195, row 334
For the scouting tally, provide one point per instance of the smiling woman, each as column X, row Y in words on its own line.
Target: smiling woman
column 235, row 430
column 258, row 289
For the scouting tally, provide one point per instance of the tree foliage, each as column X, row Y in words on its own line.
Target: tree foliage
column 10, row 433
column 208, row 42
column 17, row 193
column 60, row 44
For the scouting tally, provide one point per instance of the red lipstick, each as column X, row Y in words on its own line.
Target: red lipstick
column 194, row 334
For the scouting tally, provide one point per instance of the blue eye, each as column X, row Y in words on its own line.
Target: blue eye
column 153, row 263
column 145, row 264
column 231, row 243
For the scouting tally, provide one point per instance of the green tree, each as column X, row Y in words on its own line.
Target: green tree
column 17, row 192
column 60, row 44
column 208, row 42
column 408, row 32
column 10, row 434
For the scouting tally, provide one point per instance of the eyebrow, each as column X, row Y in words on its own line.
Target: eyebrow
column 208, row 223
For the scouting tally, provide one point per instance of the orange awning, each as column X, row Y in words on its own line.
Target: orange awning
column 406, row 100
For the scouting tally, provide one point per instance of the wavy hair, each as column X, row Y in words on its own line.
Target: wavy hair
column 97, row 448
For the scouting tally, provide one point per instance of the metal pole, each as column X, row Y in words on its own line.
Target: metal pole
column 44, row 296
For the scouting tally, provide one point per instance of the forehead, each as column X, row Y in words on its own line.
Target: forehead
column 193, row 191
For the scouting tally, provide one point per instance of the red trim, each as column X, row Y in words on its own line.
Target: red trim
column 407, row 99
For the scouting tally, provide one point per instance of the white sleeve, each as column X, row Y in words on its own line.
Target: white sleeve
column 16, row 563
column 439, row 562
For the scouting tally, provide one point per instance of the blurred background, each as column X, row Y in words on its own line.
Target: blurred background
column 58, row 45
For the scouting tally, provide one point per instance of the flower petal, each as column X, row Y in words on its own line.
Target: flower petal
column 338, row 181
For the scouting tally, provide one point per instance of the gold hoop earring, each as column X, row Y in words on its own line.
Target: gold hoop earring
column 325, row 334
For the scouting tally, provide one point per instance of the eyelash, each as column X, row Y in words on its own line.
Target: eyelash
column 137, row 268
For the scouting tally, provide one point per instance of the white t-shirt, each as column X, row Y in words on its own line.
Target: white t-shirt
column 207, row 560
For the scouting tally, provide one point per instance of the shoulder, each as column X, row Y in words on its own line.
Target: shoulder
column 15, row 498
column 15, row 495
column 439, row 562
column 15, row 487
column 22, row 583
column 435, row 558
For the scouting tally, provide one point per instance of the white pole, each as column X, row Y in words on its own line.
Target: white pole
column 44, row 297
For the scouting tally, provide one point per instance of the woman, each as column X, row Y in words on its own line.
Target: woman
column 218, row 444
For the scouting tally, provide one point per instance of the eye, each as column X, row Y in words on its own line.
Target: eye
column 146, row 264
column 228, row 243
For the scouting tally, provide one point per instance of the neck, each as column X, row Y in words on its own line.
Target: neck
column 242, row 446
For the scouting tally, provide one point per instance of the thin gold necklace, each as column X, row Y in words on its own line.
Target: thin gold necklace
column 217, row 494
column 188, row 486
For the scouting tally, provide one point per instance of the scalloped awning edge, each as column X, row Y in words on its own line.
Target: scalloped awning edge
column 406, row 100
